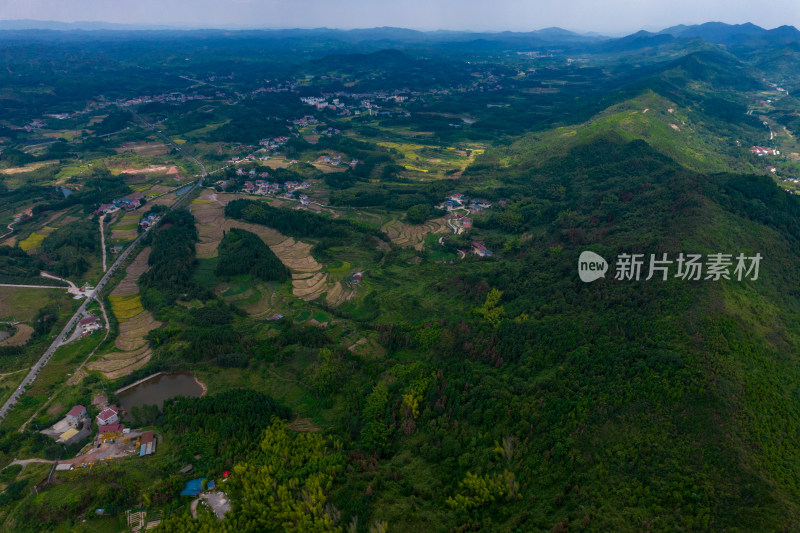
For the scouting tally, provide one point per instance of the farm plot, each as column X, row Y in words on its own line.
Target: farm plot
column 21, row 304
column 125, row 227
column 134, row 324
column 408, row 235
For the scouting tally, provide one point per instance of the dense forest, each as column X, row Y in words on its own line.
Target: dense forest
column 172, row 259
column 243, row 252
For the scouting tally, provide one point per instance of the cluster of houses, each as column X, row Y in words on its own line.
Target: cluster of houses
column 363, row 102
column 90, row 324
column 265, row 187
column 273, row 144
column 148, row 220
column 336, row 160
column 109, row 428
column 108, row 425
column 461, row 201
column 761, row 151
column 129, row 203
column 307, row 120
column 162, row 98
column 328, row 132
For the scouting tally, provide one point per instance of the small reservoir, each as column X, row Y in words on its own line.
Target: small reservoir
column 159, row 387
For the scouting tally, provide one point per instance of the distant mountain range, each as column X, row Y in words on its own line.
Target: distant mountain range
column 747, row 34
column 28, row 24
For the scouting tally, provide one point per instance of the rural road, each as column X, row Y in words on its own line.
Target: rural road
column 10, row 230
column 70, row 326
column 103, row 240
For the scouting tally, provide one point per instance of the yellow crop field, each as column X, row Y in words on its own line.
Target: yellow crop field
column 418, row 169
column 34, row 240
column 126, row 307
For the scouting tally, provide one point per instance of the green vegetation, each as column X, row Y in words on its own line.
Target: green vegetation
column 396, row 381
column 172, row 262
column 243, row 252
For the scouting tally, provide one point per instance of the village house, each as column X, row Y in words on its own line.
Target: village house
column 131, row 202
column 147, row 444
column 90, row 324
column 114, row 428
column 148, row 220
column 481, row 250
column 105, row 208
column 761, row 151
column 76, row 414
column 109, row 415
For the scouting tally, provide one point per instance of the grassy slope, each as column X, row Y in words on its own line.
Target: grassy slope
column 693, row 144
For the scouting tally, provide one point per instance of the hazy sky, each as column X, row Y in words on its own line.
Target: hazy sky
column 609, row 16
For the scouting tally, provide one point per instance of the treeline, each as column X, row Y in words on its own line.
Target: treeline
column 67, row 248
column 17, row 266
column 243, row 252
column 172, row 261
column 392, row 196
column 293, row 223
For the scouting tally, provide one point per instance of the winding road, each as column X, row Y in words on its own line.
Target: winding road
column 10, row 230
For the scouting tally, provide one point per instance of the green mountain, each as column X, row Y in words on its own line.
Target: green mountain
column 658, row 405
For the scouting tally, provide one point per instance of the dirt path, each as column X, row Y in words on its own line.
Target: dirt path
column 14, row 372
column 9, row 232
column 71, row 287
column 26, row 462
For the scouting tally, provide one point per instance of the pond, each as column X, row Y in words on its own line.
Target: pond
column 183, row 189
column 155, row 389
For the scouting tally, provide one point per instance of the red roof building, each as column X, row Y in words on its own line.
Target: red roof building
column 111, row 428
column 109, row 415
column 76, row 414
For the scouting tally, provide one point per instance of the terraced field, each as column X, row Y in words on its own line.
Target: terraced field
column 408, row 235
column 260, row 300
column 134, row 323
column 308, row 280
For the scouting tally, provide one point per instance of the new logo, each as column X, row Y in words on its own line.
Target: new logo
column 591, row 267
